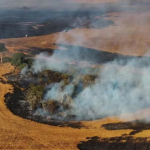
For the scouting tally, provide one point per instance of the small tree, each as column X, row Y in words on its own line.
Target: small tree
column 52, row 106
column 29, row 62
column 88, row 80
column 2, row 47
column 18, row 59
column 2, row 51
column 34, row 95
column 6, row 59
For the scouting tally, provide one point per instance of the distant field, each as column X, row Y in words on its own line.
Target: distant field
column 19, row 23
column 128, row 35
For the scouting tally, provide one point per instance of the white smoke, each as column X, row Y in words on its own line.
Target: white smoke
column 43, row 62
column 117, row 90
column 122, row 86
column 56, row 92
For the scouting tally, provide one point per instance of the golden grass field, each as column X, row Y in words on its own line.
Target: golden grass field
column 17, row 133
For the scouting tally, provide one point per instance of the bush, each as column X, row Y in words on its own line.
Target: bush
column 88, row 80
column 29, row 62
column 22, row 66
column 18, row 59
column 65, row 78
column 6, row 59
column 29, row 74
column 2, row 47
column 54, row 76
column 52, row 106
column 34, row 95
column 66, row 102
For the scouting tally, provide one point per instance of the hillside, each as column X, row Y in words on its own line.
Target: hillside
column 114, row 45
column 17, row 133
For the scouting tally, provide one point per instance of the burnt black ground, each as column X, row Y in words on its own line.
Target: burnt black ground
column 124, row 142
column 115, row 143
column 18, row 23
column 127, row 125
column 14, row 104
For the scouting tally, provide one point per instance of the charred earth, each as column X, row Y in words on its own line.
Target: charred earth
column 28, row 99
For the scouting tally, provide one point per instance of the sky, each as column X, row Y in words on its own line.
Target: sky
column 29, row 3
column 48, row 3
column 61, row 4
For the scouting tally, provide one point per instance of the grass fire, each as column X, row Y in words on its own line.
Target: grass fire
column 75, row 75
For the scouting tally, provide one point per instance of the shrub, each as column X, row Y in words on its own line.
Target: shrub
column 29, row 62
column 52, row 106
column 34, row 95
column 6, row 59
column 22, row 66
column 66, row 102
column 29, row 74
column 2, row 47
column 18, row 59
column 88, row 80
column 65, row 78
column 54, row 76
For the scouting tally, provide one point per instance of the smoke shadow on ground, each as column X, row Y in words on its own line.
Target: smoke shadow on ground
column 123, row 142
column 80, row 53
column 35, row 51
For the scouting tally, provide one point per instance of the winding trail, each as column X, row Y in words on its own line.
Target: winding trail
column 17, row 133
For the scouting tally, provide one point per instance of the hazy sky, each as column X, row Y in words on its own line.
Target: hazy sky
column 47, row 3
column 29, row 3
column 59, row 4
column 56, row 5
column 17, row 3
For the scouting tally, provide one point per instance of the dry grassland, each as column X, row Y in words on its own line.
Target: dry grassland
column 18, row 133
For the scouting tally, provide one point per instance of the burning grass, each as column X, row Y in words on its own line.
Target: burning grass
column 57, row 90
column 116, row 88
column 26, row 134
column 30, row 102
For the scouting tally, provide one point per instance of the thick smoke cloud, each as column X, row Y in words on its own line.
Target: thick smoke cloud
column 117, row 90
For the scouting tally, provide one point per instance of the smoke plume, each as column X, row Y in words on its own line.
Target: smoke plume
column 122, row 85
